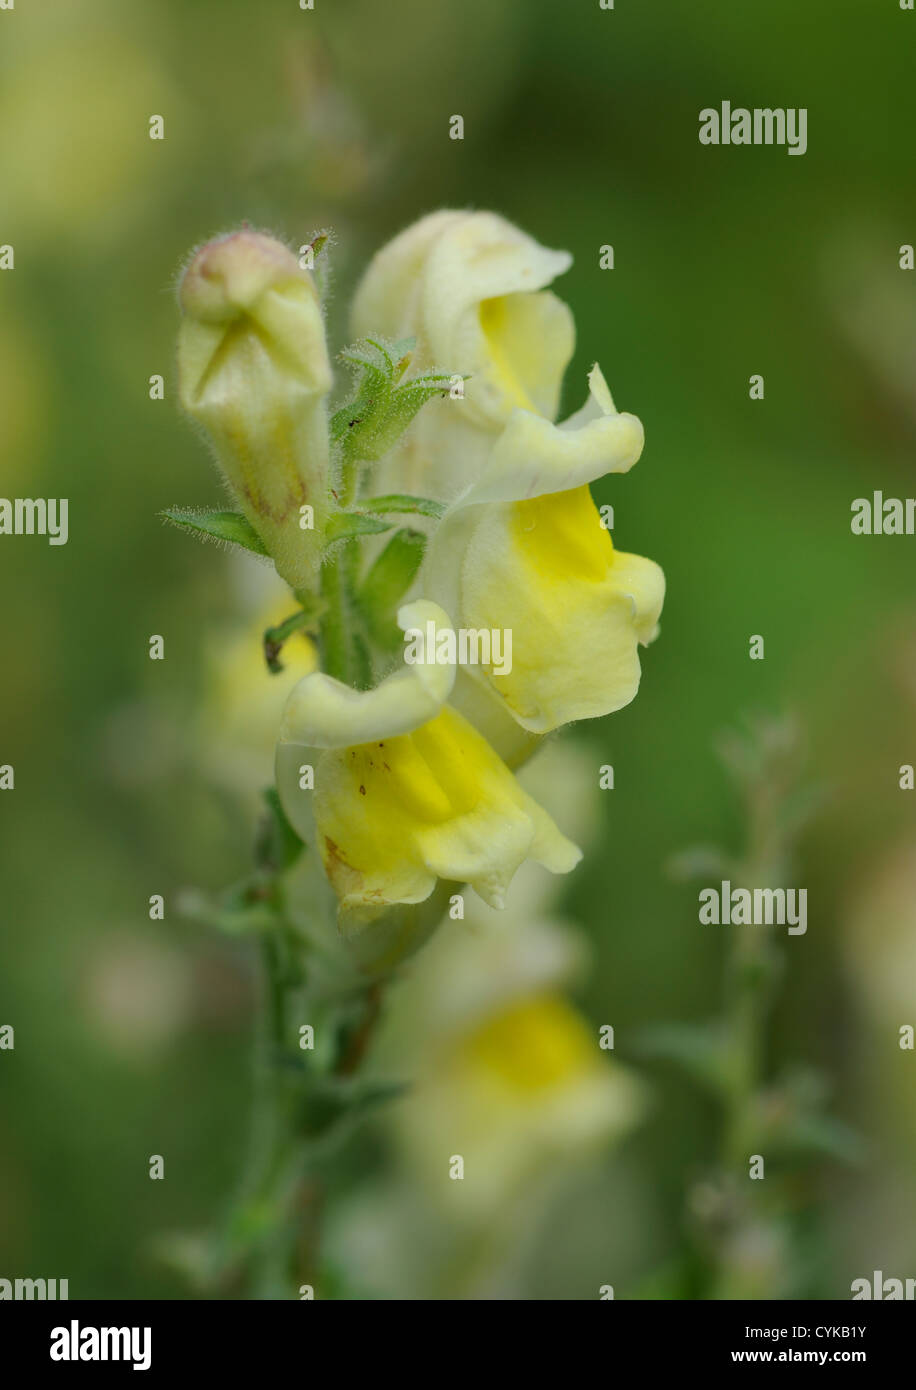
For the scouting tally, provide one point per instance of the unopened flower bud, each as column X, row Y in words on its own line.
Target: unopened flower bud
column 254, row 371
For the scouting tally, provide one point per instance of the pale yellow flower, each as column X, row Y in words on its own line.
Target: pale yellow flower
column 511, row 1077
column 405, row 791
column 522, row 547
column 521, row 1091
column 471, row 289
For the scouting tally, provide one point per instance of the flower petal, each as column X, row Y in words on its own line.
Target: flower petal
column 470, row 288
column 322, row 712
column 547, row 571
column 395, row 815
column 533, row 456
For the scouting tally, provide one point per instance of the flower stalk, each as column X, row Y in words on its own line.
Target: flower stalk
column 396, row 783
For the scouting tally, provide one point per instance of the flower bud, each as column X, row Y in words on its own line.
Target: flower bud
column 254, row 371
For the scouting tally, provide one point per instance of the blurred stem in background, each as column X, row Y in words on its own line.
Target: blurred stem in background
column 743, row 1229
column 766, row 769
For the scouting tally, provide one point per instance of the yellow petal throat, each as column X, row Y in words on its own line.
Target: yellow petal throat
column 546, row 570
column 394, row 815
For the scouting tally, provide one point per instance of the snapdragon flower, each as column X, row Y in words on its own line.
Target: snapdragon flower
column 522, row 546
column 399, row 775
column 405, row 791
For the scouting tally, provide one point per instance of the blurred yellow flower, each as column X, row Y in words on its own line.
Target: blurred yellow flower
column 62, row 169
column 510, row 1076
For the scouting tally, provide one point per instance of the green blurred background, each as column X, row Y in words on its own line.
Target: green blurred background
column 133, row 1037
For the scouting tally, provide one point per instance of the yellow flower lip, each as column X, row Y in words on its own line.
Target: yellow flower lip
column 322, row 712
column 535, row 1043
column 229, row 275
column 524, row 549
column 406, row 791
column 395, row 815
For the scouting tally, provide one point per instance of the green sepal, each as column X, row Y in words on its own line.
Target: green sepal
column 382, row 406
column 229, row 527
column 331, row 1106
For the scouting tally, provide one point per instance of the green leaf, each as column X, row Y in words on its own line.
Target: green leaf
column 233, row 912
column 231, row 527
column 402, row 502
column 387, row 581
column 278, row 846
column 330, row 1107
column 700, row 1049
column 275, row 638
column 824, row 1136
column 344, row 526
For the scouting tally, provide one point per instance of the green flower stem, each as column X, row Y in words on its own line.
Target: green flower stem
column 343, row 650
column 356, row 1045
column 335, row 645
column 305, row 1103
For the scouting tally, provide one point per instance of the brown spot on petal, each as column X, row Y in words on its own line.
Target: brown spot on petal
column 343, row 877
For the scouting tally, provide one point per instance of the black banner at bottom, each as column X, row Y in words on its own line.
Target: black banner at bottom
column 164, row 1338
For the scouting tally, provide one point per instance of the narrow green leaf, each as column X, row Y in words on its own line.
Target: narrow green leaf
column 278, row 846
column 823, row 1135
column 386, row 583
column 402, row 502
column 700, row 1049
column 230, row 527
column 345, row 525
column 331, row 1107
column 275, row 638
column 231, row 912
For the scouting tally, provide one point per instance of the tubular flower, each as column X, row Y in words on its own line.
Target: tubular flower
column 405, row 790
column 509, row 1074
column 522, row 1090
column 525, row 550
column 471, row 289
column 522, row 547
